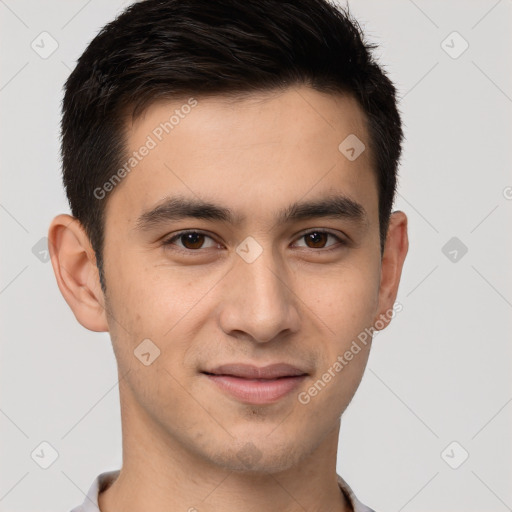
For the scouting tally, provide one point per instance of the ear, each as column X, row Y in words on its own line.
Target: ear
column 395, row 251
column 74, row 265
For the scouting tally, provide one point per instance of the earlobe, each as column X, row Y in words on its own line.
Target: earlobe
column 74, row 265
column 395, row 251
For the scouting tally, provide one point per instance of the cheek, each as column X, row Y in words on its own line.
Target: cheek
column 145, row 333
column 342, row 316
column 164, row 304
column 153, row 297
column 344, row 301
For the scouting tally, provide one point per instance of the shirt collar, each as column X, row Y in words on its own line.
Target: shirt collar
column 356, row 505
column 105, row 480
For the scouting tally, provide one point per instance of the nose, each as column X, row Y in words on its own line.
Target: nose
column 258, row 302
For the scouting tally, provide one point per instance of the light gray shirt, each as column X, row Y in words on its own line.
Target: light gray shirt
column 104, row 480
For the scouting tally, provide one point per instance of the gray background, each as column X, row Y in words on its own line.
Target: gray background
column 440, row 373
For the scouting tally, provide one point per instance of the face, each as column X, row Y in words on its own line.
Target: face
column 279, row 264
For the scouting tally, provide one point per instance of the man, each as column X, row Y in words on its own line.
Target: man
column 231, row 168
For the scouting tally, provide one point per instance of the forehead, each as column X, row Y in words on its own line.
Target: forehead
column 252, row 154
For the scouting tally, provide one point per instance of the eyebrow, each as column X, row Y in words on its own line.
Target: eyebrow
column 177, row 208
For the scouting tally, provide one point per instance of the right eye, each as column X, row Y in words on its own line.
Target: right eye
column 190, row 240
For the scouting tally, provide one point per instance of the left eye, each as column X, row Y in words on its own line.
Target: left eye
column 318, row 239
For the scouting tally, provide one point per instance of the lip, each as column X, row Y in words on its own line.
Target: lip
column 256, row 385
column 249, row 371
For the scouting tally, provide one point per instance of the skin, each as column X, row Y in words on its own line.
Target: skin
column 296, row 303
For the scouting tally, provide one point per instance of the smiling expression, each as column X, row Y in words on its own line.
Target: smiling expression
column 243, row 237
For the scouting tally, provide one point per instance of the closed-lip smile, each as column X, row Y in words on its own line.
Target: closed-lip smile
column 256, row 385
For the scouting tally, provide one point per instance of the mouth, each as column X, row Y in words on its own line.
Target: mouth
column 256, row 385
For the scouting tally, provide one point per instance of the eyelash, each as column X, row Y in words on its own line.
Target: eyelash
column 169, row 241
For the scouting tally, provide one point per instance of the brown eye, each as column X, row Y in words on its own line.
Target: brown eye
column 190, row 240
column 316, row 239
column 319, row 239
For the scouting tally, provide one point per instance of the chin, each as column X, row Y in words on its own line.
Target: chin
column 258, row 457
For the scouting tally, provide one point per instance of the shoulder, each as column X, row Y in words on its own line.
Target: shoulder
column 357, row 506
column 100, row 483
